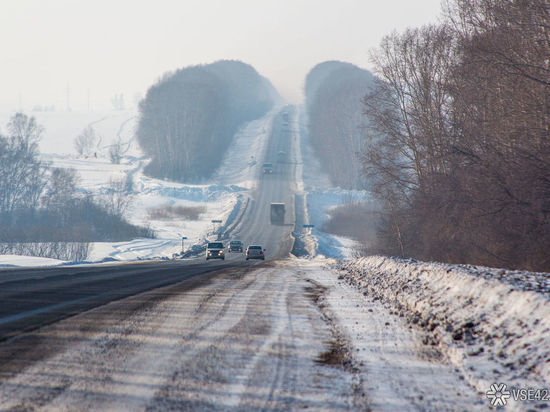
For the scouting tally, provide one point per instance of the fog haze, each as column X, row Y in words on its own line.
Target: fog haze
column 92, row 50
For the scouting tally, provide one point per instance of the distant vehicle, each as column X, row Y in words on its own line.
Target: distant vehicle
column 215, row 250
column 277, row 213
column 236, row 246
column 281, row 157
column 255, row 252
column 267, row 168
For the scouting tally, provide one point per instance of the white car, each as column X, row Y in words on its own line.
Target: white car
column 255, row 252
column 215, row 250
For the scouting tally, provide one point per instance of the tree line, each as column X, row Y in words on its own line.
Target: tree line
column 188, row 118
column 41, row 210
column 335, row 121
column 458, row 143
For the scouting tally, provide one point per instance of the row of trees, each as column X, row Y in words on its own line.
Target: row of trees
column 188, row 119
column 40, row 207
column 333, row 92
column 458, row 144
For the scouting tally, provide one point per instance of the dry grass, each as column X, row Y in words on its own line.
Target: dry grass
column 176, row 212
column 355, row 220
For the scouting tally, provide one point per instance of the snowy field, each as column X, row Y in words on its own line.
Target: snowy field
column 216, row 198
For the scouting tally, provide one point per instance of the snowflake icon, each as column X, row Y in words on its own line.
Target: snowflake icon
column 498, row 394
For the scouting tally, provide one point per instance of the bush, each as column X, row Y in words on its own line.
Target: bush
column 176, row 212
column 356, row 220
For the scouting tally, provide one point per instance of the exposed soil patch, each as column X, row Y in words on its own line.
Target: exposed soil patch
column 337, row 355
column 314, row 292
column 343, row 221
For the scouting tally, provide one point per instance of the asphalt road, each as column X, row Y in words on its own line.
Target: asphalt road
column 31, row 298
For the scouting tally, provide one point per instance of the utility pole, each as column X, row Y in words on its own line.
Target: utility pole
column 68, row 98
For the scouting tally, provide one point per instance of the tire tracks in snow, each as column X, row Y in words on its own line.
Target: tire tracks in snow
column 240, row 339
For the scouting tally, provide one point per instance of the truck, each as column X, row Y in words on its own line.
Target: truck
column 277, row 213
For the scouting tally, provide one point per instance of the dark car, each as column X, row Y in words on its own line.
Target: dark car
column 236, row 246
column 267, row 168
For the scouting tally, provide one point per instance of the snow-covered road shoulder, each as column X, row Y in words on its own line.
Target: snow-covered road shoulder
column 492, row 324
column 397, row 370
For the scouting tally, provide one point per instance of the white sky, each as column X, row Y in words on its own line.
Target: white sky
column 123, row 46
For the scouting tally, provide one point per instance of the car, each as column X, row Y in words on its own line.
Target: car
column 236, row 246
column 267, row 168
column 215, row 250
column 255, row 252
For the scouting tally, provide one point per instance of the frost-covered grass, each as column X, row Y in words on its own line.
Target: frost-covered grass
column 488, row 322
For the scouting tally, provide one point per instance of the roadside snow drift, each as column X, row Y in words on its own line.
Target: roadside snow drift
column 492, row 324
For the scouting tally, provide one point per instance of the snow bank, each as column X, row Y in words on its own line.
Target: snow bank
column 491, row 323
column 28, row 261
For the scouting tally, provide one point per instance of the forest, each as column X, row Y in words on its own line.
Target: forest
column 188, row 118
column 335, row 121
column 458, row 143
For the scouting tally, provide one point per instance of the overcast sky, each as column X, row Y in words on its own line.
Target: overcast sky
column 102, row 47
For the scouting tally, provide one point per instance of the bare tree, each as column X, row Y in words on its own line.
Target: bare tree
column 458, row 145
column 115, row 151
column 21, row 172
column 61, row 188
column 86, row 142
column 117, row 199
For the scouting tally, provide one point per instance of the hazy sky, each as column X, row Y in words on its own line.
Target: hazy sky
column 103, row 47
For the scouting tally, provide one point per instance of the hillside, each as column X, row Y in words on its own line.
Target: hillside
column 333, row 102
column 188, row 118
